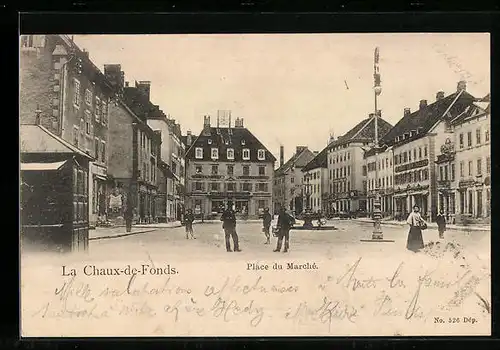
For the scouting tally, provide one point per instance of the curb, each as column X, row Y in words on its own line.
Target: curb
column 120, row 235
column 457, row 228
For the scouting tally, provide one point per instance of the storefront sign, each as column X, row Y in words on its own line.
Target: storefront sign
column 98, row 170
column 414, row 165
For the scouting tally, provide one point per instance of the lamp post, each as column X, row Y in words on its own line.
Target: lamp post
column 377, row 235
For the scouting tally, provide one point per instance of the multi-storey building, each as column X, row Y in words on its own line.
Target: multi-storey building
column 415, row 139
column 382, row 158
column 315, row 183
column 73, row 96
column 473, row 163
column 288, row 181
column 347, row 182
column 228, row 167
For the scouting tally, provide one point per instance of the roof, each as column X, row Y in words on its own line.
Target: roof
column 374, row 150
column 42, row 166
column 425, row 118
column 475, row 110
column 319, row 161
column 37, row 139
column 298, row 160
column 222, row 139
column 363, row 131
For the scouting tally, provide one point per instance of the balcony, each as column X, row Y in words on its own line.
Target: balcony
column 253, row 177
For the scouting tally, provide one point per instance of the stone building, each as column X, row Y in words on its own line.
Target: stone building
column 72, row 96
column 228, row 166
column 315, row 183
column 347, row 180
column 382, row 158
column 288, row 181
column 416, row 140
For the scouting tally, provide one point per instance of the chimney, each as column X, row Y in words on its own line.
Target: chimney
column 206, row 121
column 299, row 149
column 371, row 115
column 282, row 156
column 423, row 104
column 115, row 76
column 407, row 111
column 189, row 138
column 241, row 122
column 439, row 95
column 461, row 85
column 126, row 84
column 144, row 86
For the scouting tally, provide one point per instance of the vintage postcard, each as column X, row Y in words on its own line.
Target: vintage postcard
column 255, row 185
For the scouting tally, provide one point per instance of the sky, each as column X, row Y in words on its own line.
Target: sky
column 294, row 89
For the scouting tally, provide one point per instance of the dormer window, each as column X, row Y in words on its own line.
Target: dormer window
column 209, row 141
column 230, row 153
column 261, row 154
column 218, row 131
column 230, row 131
column 215, row 153
column 198, row 153
column 246, row 154
column 243, row 142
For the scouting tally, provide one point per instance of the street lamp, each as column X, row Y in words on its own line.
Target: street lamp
column 377, row 235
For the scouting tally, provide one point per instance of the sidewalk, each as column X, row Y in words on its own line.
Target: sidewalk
column 116, row 232
column 430, row 225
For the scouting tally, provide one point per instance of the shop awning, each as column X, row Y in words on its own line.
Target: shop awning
column 42, row 166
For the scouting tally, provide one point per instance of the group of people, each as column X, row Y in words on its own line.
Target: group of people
column 417, row 224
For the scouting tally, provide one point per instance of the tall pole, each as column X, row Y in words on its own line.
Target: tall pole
column 377, row 215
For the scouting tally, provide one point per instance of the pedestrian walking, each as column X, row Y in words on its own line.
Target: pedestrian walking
column 188, row 221
column 285, row 223
column 441, row 223
column 128, row 214
column 417, row 224
column 228, row 219
column 266, row 222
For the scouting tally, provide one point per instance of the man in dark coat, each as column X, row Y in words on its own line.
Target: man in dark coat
column 188, row 221
column 266, row 222
column 228, row 219
column 441, row 223
column 128, row 213
column 285, row 223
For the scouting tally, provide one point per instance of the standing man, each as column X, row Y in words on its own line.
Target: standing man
column 285, row 223
column 441, row 222
column 128, row 213
column 266, row 221
column 228, row 219
column 188, row 220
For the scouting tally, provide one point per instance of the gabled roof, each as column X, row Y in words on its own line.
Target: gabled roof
column 319, row 161
column 476, row 109
column 223, row 138
column 364, row 131
column 298, row 160
column 37, row 139
column 422, row 120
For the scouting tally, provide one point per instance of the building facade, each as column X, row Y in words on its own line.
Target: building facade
column 381, row 158
column 315, row 183
column 228, row 167
column 472, row 155
column 72, row 96
column 416, row 140
column 288, row 181
column 347, row 179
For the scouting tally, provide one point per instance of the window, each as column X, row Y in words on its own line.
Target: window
column 420, row 153
column 488, row 165
column 470, row 167
column 76, row 96
column 230, row 170
column 246, row 170
column 88, row 122
column 199, row 169
column 104, row 111
column 461, row 140
column 88, row 97
column 76, row 135
column 246, row 186
column 452, row 172
column 262, row 187
column 487, row 135
column 96, row 148
column 215, row 169
column 292, row 179
column 246, row 154
column 261, row 154
column 215, row 153
column 348, row 170
column 478, row 136
column 446, row 172
column 103, row 151
column 441, row 177
column 214, row 186
column 230, row 153
column 97, row 110
column 230, row 186
column 414, row 154
column 469, row 139
column 198, row 153
column 262, row 170
column 425, row 152
column 409, row 156
column 479, row 169
column 462, row 166
column 198, row 186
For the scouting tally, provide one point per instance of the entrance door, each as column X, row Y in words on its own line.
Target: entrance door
column 479, row 203
column 471, row 203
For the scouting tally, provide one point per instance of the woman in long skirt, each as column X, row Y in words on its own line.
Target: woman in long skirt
column 415, row 241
